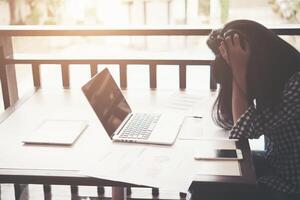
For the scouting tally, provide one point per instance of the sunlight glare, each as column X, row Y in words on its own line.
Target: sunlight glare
column 110, row 12
column 76, row 8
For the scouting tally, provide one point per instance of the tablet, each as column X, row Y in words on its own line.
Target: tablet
column 59, row 132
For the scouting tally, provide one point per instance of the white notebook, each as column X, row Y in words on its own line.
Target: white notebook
column 63, row 132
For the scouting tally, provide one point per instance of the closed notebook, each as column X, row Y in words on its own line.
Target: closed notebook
column 63, row 132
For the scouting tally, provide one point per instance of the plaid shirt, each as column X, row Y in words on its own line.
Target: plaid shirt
column 281, row 128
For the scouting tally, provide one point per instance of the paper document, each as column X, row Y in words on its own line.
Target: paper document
column 195, row 127
column 164, row 168
column 183, row 102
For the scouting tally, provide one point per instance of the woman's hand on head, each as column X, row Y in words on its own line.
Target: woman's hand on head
column 233, row 53
column 236, row 57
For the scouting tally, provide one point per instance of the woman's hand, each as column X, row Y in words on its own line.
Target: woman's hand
column 237, row 58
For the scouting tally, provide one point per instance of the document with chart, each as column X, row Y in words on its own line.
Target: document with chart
column 164, row 168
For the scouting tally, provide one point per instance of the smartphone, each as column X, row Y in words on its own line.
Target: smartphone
column 218, row 154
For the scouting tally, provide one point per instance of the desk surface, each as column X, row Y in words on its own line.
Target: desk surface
column 46, row 164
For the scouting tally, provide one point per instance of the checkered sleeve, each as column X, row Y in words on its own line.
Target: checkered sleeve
column 253, row 124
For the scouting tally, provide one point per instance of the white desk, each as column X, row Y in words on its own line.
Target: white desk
column 46, row 164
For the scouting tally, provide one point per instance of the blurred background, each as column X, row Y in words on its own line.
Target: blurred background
column 125, row 12
column 120, row 13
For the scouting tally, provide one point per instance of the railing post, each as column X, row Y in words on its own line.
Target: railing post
column 74, row 191
column 65, row 75
column 213, row 83
column 21, row 191
column 123, row 75
column 145, row 19
column 36, row 74
column 47, row 192
column 100, row 191
column 128, row 191
column 152, row 76
column 94, row 69
column 182, row 76
column 169, row 11
column 155, row 192
column 8, row 73
column 118, row 193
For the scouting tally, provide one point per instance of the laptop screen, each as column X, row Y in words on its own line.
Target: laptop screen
column 107, row 100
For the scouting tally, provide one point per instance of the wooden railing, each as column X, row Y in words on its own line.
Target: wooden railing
column 8, row 60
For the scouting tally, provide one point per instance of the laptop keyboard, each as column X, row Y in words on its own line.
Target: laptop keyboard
column 140, row 126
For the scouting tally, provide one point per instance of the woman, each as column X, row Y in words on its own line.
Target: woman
column 259, row 77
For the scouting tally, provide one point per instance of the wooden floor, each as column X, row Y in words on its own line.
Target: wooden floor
column 35, row 192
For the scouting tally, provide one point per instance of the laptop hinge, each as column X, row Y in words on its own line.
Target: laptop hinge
column 118, row 130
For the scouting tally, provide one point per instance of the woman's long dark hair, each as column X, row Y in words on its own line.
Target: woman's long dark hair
column 272, row 62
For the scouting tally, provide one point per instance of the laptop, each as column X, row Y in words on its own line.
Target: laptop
column 117, row 118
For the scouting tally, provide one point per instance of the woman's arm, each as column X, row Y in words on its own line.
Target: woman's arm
column 254, row 123
column 239, row 102
column 237, row 58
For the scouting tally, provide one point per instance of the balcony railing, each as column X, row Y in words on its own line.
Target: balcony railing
column 8, row 59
